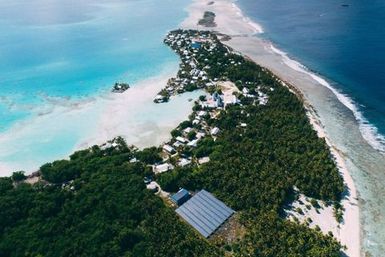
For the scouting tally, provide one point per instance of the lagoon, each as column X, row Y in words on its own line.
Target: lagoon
column 59, row 61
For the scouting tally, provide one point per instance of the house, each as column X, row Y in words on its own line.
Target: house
column 159, row 98
column 214, row 131
column 214, row 101
column 153, row 187
column 133, row 160
column 169, row 149
column 200, row 135
column 177, row 144
column 193, row 143
column 187, row 130
column 202, row 113
column 181, row 139
column 184, row 162
column 180, row 197
column 203, row 160
column 196, row 122
column 161, row 168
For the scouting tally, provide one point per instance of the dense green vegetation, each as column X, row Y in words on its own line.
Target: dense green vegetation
column 96, row 204
column 264, row 161
column 104, row 211
column 275, row 152
column 255, row 168
column 18, row 176
column 270, row 236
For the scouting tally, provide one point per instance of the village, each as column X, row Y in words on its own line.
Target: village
column 197, row 51
column 201, row 54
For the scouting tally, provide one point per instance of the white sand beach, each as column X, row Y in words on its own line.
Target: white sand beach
column 231, row 21
column 135, row 116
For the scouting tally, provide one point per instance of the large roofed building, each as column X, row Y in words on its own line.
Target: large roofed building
column 205, row 213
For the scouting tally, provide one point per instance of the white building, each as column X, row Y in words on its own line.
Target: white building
column 169, row 149
column 200, row 135
column 183, row 162
column 193, row 143
column 177, row 144
column 157, row 169
column 153, row 186
column 202, row 113
column 214, row 131
column 187, row 130
column 196, row 122
column 203, row 160
column 181, row 139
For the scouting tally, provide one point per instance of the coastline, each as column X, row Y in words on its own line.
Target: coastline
column 230, row 21
column 95, row 121
column 117, row 115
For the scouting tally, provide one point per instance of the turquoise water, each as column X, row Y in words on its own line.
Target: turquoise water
column 56, row 54
column 75, row 48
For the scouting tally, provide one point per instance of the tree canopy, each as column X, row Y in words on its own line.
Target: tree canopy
column 103, row 210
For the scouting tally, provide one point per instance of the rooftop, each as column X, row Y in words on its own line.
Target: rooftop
column 205, row 213
column 181, row 196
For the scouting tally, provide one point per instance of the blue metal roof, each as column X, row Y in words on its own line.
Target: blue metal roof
column 181, row 196
column 204, row 212
column 196, row 45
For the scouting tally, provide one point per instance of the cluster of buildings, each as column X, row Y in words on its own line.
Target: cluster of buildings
column 174, row 153
column 190, row 76
column 187, row 137
column 261, row 97
column 196, row 50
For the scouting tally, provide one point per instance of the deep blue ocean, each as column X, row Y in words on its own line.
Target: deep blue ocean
column 344, row 41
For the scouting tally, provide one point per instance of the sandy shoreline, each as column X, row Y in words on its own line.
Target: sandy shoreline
column 230, row 21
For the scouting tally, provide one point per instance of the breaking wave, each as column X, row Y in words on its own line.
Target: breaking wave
column 368, row 131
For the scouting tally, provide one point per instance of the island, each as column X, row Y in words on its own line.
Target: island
column 247, row 147
column 120, row 87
